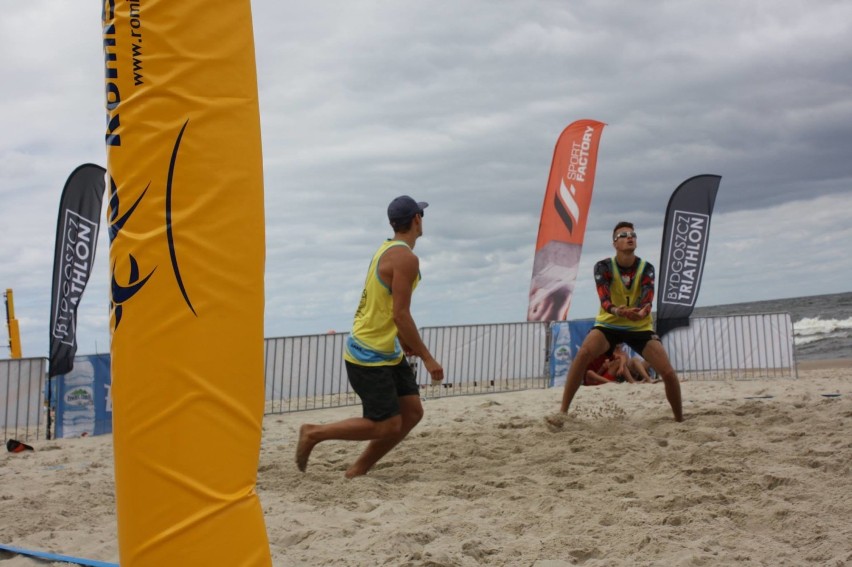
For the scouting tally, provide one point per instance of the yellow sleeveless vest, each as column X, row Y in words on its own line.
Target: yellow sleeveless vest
column 373, row 340
column 621, row 296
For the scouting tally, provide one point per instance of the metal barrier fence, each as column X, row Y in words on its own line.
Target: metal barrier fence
column 22, row 390
column 479, row 359
column 307, row 372
column 742, row 347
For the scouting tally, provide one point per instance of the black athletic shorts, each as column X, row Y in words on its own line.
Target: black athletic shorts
column 634, row 339
column 380, row 387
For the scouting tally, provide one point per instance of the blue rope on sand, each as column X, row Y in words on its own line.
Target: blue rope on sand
column 55, row 557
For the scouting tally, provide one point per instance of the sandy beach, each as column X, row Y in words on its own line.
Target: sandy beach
column 759, row 473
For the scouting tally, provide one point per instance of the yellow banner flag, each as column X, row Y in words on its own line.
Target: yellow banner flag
column 187, row 258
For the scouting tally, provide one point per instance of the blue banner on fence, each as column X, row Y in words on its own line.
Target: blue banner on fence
column 83, row 401
column 565, row 340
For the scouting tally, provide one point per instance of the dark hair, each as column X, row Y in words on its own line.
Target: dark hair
column 402, row 225
column 620, row 225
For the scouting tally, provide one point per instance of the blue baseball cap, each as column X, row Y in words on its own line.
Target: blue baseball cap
column 403, row 208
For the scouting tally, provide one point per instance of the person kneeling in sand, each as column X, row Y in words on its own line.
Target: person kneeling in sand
column 642, row 369
column 607, row 368
column 598, row 372
column 383, row 334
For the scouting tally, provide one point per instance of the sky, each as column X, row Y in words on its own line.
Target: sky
column 460, row 103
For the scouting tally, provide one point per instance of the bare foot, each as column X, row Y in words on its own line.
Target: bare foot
column 556, row 421
column 354, row 471
column 304, row 448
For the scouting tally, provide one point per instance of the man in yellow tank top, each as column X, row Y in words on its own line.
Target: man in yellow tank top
column 383, row 334
column 625, row 285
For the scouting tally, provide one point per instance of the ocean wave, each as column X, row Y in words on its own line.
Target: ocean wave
column 822, row 328
column 810, row 339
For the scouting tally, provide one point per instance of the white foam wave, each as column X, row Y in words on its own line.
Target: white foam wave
column 820, row 328
column 806, row 340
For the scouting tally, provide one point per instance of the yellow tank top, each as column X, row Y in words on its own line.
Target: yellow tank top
column 621, row 296
column 373, row 340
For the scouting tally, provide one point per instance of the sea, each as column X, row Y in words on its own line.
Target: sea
column 822, row 324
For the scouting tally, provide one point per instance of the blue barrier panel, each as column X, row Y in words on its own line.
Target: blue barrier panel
column 83, row 401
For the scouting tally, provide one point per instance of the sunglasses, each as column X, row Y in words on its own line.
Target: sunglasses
column 630, row 234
